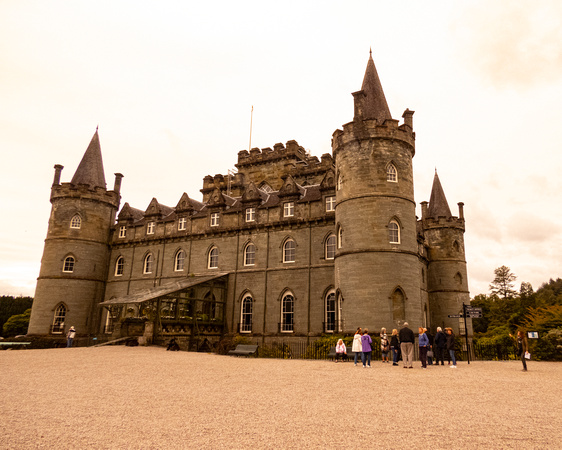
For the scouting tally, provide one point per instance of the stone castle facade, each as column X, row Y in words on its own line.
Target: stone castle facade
column 290, row 246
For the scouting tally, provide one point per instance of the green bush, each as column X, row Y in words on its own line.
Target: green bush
column 17, row 324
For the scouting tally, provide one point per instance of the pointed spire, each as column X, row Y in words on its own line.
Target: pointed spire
column 374, row 102
column 90, row 169
column 438, row 205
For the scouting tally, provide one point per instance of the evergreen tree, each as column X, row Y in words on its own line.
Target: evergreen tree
column 503, row 283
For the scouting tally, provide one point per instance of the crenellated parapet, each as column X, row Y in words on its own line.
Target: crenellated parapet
column 390, row 129
column 85, row 192
column 429, row 222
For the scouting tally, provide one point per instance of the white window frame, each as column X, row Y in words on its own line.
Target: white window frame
column 289, row 251
column 76, row 222
column 215, row 219
column 150, row 228
column 394, row 232
column 330, row 203
column 340, row 236
column 182, row 223
column 58, row 319
column 68, row 264
column 391, row 173
column 147, row 264
column 250, row 254
column 330, row 247
column 289, row 209
column 287, row 326
column 213, row 258
column 179, row 261
column 122, row 231
column 120, row 266
column 250, row 214
column 246, row 310
column 334, row 312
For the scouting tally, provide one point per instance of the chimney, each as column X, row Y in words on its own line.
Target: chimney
column 117, row 185
column 424, row 210
column 58, row 170
column 409, row 118
column 461, row 210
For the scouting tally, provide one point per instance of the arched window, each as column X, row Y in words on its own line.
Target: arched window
column 250, row 255
column 458, row 278
column 289, row 251
column 76, row 222
column 340, row 237
column 456, row 246
column 119, row 266
column 287, row 313
column 340, row 183
column 246, row 312
column 331, row 313
column 68, row 265
column 391, row 173
column 58, row 320
column 330, row 252
column 393, row 232
column 398, row 306
column 213, row 259
column 148, row 263
column 210, row 307
column 179, row 261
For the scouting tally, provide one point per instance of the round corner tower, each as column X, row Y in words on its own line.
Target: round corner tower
column 377, row 268
column 447, row 280
column 75, row 258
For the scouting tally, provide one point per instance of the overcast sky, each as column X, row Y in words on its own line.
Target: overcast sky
column 171, row 85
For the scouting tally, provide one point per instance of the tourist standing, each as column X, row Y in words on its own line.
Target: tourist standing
column 407, row 340
column 394, row 347
column 423, row 343
column 522, row 347
column 356, row 347
column 430, row 348
column 385, row 345
column 366, row 348
column 440, row 343
column 341, row 350
column 451, row 346
column 70, row 337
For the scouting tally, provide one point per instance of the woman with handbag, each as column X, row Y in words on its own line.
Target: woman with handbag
column 522, row 348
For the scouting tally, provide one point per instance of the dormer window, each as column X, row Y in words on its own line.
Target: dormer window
column 250, row 214
column 330, row 203
column 289, row 209
column 76, row 222
column 182, row 221
column 215, row 219
column 150, row 228
column 122, row 231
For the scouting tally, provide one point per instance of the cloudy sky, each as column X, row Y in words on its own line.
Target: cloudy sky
column 171, row 85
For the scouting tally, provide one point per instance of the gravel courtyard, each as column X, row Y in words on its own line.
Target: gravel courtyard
column 146, row 398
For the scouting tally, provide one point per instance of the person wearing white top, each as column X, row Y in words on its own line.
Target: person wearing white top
column 356, row 347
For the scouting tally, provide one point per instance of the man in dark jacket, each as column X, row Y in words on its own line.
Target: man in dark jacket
column 407, row 340
column 439, row 346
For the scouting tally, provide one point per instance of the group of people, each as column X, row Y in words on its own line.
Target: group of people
column 402, row 344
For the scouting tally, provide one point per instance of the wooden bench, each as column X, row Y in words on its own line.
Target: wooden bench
column 14, row 344
column 244, row 350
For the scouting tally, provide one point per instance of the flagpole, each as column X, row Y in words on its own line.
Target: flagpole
column 251, row 118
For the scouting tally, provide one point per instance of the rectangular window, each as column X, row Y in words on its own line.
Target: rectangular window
column 289, row 209
column 215, row 219
column 250, row 214
column 122, row 231
column 150, row 228
column 330, row 203
column 181, row 223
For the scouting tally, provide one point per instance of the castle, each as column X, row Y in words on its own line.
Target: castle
column 290, row 246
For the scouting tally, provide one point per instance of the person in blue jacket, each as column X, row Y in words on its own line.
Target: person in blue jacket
column 423, row 342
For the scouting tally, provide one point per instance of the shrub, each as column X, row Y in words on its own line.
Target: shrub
column 17, row 324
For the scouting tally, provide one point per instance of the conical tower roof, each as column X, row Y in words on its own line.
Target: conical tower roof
column 90, row 169
column 438, row 205
column 374, row 103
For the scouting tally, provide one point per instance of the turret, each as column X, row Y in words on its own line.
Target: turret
column 75, row 258
column 447, row 281
column 377, row 272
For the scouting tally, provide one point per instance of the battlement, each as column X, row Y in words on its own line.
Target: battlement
column 373, row 129
column 291, row 150
column 84, row 191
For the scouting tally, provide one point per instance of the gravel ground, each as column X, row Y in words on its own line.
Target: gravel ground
column 144, row 397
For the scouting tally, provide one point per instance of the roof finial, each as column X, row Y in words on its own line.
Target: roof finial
column 97, row 126
column 370, row 52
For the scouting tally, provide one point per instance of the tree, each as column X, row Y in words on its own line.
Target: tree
column 17, row 324
column 503, row 282
column 11, row 306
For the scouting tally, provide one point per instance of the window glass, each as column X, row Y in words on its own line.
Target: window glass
column 181, row 223
column 148, row 263
column 215, row 219
column 68, row 264
column 330, row 203
column 119, row 266
column 246, row 315
column 331, row 312
column 289, row 209
column 250, row 255
column 179, row 261
column 331, row 247
column 287, row 313
column 289, row 251
column 250, row 214
column 214, row 258
column 58, row 320
column 75, row 222
column 393, row 233
column 150, row 228
column 122, row 231
column 391, row 173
